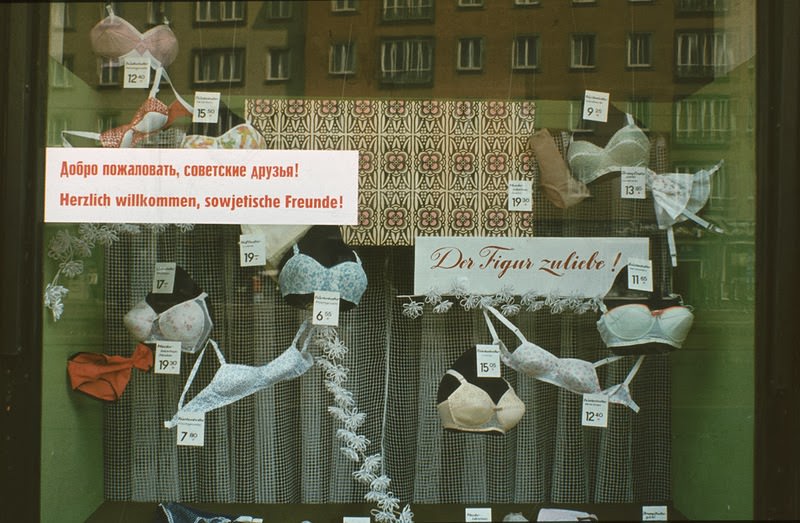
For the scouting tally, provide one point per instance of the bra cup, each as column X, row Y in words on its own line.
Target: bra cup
column 676, row 322
column 184, row 322
column 151, row 121
column 532, row 360
column 470, row 406
column 139, row 321
column 629, row 322
column 510, row 410
column 578, row 376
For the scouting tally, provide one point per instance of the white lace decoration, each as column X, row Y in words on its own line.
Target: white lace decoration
column 355, row 445
column 505, row 300
column 70, row 250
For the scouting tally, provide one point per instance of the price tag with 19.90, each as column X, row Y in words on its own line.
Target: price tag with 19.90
column 168, row 357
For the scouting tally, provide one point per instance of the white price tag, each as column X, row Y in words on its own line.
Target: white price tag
column 632, row 183
column 487, row 359
column 191, row 429
column 519, row 195
column 640, row 274
column 654, row 513
column 164, row 278
column 355, row 519
column 477, row 514
column 595, row 106
column 206, row 107
column 136, row 73
column 326, row 308
column 595, row 410
column 252, row 250
column 168, row 357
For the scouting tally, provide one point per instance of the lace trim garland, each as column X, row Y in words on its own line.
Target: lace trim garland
column 69, row 251
column 371, row 472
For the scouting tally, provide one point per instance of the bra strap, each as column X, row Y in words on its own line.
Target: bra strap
column 495, row 338
column 629, row 118
column 634, row 370
column 81, row 134
column 196, row 366
column 178, row 97
column 604, row 361
column 457, row 375
column 303, row 327
column 513, row 328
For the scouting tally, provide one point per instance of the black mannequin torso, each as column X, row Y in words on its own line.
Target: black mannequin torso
column 466, row 365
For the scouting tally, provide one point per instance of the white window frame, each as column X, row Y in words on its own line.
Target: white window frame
column 530, row 44
column 109, row 72
column 400, row 10
column 219, row 11
column 342, row 58
column 407, row 60
column 474, row 54
column 641, row 109
column 229, row 66
column 583, row 51
column 526, row 3
column 470, row 3
column 61, row 73
column 343, row 6
column 703, row 53
column 55, row 125
column 283, row 57
column 703, row 120
column 640, row 50
column 154, row 9
column 702, row 6
column 279, row 9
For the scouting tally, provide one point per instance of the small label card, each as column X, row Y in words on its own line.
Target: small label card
column 595, row 106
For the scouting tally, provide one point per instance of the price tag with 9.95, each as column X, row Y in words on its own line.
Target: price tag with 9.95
column 487, row 359
column 168, row 357
column 595, row 106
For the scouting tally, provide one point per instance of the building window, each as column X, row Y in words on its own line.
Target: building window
column 575, row 121
column 400, row 10
column 279, row 9
column 341, row 6
column 703, row 6
column 524, row 3
column 583, row 2
column 407, row 61
column 55, row 126
column 470, row 54
column 470, row 3
column 106, row 122
column 61, row 73
column 218, row 66
column 702, row 54
column 342, row 58
column 719, row 196
column 525, row 53
column 582, row 55
column 63, row 16
column 640, row 108
column 219, row 11
column 640, row 50
column 278, row 65
column 109, row 72
column 703, row 121
column 157, row 12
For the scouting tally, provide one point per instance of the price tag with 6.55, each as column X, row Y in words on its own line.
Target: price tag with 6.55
column 632, row 182
column 519, row 195
column 595, row 106
column 164, row 278
column 252, row 250
column 206, row 107
column 191, row 429
column 136, row 73
column 640, row 274
column 326, row 308
column 168, row 357
column 595, row 410
column 488, row 361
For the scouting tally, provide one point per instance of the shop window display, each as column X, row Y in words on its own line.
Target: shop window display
column 388, row 408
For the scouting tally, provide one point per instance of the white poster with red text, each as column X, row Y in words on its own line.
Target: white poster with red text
column 568, row 267
column 232, row 186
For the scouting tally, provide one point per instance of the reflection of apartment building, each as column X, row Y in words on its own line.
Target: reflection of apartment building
column 682, row 67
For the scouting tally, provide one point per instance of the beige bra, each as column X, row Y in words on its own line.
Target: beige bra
column 470, row 408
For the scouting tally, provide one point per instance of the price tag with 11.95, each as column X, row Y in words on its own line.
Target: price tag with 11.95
column 168, row 357
column 640, row 274
column 487, row 359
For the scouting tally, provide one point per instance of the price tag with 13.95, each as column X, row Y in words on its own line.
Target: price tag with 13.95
column 168, row 357
column 326, row 308
column 487, row 359
column 632, row 183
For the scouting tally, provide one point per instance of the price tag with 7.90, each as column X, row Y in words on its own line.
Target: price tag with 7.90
column 168, row 357
column 191, row 429
column 488, row 361
column 326, row 308
column 595, row 410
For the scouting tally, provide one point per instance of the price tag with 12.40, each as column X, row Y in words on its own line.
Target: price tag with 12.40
column 595, row 410
column 326, row 308
column 164, row 278
column 487, row 359
column 168, row 357
column 136, row 72
column 191, row 429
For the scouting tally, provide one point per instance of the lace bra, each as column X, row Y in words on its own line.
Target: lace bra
column 242, row 136
column 187, row 322
column 115, row 38
column 470, row 408
column 302, row 274
column 233, row 382
column 575, row 375
column 636, row 324
column 628, row 147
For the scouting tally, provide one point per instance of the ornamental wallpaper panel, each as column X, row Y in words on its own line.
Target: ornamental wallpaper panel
column 426, row 167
